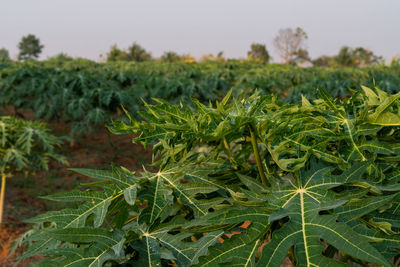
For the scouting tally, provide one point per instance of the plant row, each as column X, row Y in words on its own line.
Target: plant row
column 87, row 93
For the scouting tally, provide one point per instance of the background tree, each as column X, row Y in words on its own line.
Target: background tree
column 288, row 42
column 4, row 55
column 345, row 57
column 171, row 56
column 116, row 54
column 324, row 61
column 258, row 52
column 302, row 54
column 138, row 53
column 365, row 57
column 358, row 57
column 349, row 57
column 29, row 47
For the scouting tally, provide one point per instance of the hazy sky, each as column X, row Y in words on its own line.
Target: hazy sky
column 87, row 28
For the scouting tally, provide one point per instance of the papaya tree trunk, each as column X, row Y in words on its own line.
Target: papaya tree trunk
column 2, row 193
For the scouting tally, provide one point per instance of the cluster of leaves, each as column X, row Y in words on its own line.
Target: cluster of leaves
column 244, row 183
column 26, row 145
column 88, row 94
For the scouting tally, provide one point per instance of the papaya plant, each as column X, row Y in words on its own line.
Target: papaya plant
column 244, row 182
column 25, row 146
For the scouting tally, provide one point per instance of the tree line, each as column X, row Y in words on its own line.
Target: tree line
column 289, row 43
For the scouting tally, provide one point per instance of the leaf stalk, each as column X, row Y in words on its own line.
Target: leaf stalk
column 258, row 158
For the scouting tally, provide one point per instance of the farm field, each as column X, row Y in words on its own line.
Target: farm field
column 200, row 133
column 268, row 130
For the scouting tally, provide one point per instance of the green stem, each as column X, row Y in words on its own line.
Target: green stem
column 258, row 159
column 229, row 153
column 2, row 193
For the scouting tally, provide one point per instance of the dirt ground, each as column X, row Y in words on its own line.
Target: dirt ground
column 97, row 150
